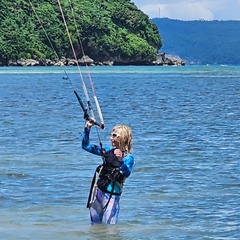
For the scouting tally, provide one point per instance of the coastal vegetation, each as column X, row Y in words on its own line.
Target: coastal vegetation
column 109, row 31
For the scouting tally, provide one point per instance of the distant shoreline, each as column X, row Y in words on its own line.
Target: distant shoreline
column 162, row 60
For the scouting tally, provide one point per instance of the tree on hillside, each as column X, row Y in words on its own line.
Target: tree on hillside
column 115, row 30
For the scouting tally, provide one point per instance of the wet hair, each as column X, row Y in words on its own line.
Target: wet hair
column 125, row 139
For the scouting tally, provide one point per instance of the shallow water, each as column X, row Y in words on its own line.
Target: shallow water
column 185, row 183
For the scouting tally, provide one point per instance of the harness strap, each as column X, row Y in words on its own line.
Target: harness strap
column 94, row 186
column 95, row 177
column 111, row 194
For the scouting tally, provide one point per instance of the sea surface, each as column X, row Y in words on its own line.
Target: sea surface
column 185, row 182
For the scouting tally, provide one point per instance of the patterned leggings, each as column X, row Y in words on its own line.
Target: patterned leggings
column 110, row 214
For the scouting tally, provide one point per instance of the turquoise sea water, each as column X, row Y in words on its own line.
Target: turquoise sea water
column 186, row 136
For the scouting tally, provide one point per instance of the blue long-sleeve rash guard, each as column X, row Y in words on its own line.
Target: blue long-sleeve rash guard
column 126, row 163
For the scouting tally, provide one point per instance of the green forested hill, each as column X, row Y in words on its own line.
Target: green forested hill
column 110, row 30
column 201, row 42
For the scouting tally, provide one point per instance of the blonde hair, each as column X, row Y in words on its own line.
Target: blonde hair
column 125, row 138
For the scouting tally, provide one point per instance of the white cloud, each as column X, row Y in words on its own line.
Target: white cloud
column 191, row 9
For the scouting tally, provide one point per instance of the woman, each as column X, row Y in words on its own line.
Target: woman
column 109, row 177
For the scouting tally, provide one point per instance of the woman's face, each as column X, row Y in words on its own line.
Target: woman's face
column 115, row 138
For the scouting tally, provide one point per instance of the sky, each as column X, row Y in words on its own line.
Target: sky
column 191, row 9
